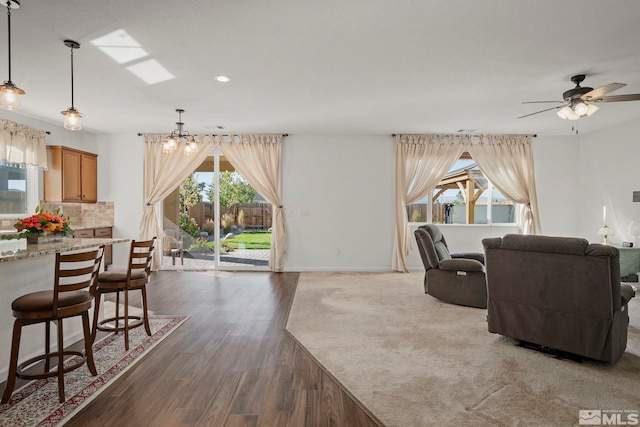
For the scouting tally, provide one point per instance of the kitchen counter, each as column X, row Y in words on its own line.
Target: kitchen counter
column 67, row 244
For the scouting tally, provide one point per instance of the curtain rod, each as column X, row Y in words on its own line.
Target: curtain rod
column 477, row 135
column 213, row 134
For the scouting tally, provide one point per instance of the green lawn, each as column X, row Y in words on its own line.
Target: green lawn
column 251, row 240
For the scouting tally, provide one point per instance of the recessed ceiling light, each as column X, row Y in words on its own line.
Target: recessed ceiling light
column 150, row 71
column 223, row 79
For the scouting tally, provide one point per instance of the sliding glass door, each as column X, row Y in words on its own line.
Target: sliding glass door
column 216, row 221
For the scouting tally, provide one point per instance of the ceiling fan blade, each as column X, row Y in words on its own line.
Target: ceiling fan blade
column 599, row 92
column 541, row 111
column 618, row 98
column 543, row 102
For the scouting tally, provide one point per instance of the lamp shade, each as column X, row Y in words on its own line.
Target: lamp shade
column 591, row 109
column 580, row 108
column 567, row 113
column 10, row 97
column 72, row 119
column 606, row 231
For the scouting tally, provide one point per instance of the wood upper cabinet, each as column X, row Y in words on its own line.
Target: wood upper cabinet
column 72, row 175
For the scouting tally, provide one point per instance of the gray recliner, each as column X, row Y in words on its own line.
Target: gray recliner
column 453, row 278
column 559, row 293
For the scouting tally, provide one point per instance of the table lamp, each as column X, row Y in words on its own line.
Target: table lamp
column 606, row 231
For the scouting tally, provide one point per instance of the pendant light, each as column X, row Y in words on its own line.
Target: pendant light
column 73, row 116
column 9, row 92
column 180, row 136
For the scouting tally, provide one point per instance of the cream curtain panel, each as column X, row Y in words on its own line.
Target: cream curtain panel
column 22, row 145
column 257, row 158
column 163, row 172
column 507, row 161
column 421, row 162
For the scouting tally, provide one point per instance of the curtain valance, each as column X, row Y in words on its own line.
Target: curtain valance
column 22, row 145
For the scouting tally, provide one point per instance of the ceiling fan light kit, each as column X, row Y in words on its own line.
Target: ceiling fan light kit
column 580, row 101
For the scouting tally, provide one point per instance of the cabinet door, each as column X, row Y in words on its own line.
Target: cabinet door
column 71, row 177
column 89, row 183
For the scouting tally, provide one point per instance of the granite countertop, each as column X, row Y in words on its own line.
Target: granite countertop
column 67, row 244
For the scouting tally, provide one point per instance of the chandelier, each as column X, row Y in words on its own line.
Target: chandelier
column 180, row 136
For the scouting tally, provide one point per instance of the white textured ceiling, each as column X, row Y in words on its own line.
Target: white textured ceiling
column 330, row 66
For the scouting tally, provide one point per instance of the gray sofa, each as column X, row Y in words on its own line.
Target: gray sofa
column 454, row 278
column 558, row 292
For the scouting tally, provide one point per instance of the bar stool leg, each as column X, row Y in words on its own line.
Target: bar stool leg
column 96, row 314
column 47, row 345
column 88, row 342
column 117, row 321
column 60, row 362
column 126, row 319
column 13, row 364
column 145, row 314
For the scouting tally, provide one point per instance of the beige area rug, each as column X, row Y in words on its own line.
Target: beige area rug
column 415, row 361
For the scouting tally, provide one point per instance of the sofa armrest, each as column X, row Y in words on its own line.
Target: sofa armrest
column 477, row 256
column 626, row 293
column 460, row 265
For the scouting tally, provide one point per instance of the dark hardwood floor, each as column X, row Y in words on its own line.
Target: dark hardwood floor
column 230, row 364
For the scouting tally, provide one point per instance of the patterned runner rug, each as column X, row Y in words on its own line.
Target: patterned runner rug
column 36, row 404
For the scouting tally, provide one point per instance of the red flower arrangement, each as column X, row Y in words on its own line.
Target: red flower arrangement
column 43, row 223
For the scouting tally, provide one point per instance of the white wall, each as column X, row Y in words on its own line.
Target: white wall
column 556, row 164
column 338, row 194
column 120, row 179
column 609, row 172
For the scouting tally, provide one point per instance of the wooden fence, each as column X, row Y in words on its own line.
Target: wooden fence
column 257, row 216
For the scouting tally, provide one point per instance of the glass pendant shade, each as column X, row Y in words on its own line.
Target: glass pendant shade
column 72, row 119
column 10, row 96
column 169, row 145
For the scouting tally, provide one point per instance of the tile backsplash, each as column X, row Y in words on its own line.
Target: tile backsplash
column 84, row 215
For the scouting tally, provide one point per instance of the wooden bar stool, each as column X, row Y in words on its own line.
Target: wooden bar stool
column 75, row 276
column 134, row 278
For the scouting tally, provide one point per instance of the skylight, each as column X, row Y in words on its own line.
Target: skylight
column 123, row 49
column 120, row 47
column 150, row 71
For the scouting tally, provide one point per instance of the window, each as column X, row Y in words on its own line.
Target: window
column 18, row 190
column 464, row 196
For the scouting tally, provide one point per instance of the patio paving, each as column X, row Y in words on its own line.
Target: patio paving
column 239, row 258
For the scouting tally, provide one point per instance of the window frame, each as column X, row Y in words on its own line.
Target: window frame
column 32, row 189
column 489, row 192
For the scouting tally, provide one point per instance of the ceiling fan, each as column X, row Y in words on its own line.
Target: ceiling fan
column 580, row 101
